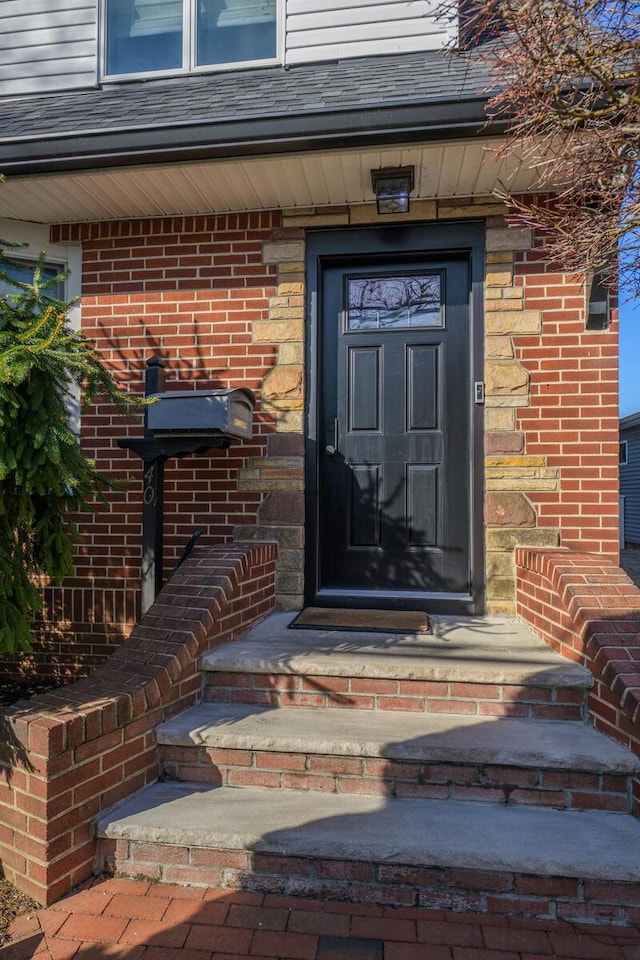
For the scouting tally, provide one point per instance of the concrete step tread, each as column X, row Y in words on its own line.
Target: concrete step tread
column 464, row 649
column 552, row 744
column 477, row 836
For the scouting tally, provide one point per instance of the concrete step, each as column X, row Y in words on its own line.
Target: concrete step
column 513, row 861
column 542, row 762
column 475, row 666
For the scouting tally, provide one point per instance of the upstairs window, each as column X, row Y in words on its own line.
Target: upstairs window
column 167, row 36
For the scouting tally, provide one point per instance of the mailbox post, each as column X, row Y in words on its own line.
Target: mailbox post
column 152, row 495
column 180, row 423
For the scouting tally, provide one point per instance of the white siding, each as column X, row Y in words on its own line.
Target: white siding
column 335, row 29
column 47, row 45
column 52, row 45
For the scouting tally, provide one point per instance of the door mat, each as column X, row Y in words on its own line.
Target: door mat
column 373, row 621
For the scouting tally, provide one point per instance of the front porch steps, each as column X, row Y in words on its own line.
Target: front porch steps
column 450, row 771
column 495, row 650
column 480, row 666
column 402, row 851
column 493, row 759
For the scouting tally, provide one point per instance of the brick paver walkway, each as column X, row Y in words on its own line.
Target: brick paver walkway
column 136, row 920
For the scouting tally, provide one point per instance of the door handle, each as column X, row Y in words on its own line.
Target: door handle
column 332, row 448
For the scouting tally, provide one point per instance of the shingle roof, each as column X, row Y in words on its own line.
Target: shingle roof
column 356, row 84
column 348, row 103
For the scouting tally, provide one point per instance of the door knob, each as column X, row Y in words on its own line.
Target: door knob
column 330, row 449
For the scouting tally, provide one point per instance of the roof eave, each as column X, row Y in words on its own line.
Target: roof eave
column 302, row 132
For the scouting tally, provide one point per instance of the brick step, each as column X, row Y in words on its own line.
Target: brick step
column 412, row 696
column 477, row 666
column 484, row 858
column 541, row 762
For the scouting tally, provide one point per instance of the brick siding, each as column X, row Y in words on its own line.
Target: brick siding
column 191, row 288
column 572, row 419
column 551, row 440
column 223, row 298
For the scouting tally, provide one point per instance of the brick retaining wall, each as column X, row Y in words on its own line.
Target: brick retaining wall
column 588, row 610
column 77, row 750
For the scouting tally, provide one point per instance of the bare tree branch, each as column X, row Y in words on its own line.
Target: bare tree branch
column 567, row 75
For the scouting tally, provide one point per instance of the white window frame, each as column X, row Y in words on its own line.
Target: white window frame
column 623, row 458
column 69, row 256
column 189, row 47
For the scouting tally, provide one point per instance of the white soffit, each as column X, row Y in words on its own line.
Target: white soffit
column 446, row 170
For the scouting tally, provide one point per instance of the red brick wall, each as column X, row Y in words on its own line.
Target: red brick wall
column 573, row 415
column 69, row 754
column 588, row 610
column 190, row 289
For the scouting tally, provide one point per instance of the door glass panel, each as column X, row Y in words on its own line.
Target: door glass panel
column 395, row 303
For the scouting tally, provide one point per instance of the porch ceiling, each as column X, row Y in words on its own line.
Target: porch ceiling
column 459, row 168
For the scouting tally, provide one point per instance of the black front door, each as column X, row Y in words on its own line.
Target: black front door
column 394, row 457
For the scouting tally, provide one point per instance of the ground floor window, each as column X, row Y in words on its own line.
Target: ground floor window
column 62, row 261
column 23, row 269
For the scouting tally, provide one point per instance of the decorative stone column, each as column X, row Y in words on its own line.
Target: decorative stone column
column 510, row 473
column 279, row 476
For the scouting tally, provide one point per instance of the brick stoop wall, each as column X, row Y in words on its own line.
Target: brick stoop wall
column 75, row 751
column 588, row 610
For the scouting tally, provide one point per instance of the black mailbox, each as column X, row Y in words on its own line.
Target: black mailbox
column 182, row 422
column 202, row 413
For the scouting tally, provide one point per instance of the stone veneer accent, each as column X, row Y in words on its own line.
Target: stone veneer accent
column 279, row 476
column 510, row 473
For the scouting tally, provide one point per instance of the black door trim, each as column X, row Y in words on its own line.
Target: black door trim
column 328, row 247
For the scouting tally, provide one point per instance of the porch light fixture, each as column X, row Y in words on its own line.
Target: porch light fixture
column 392, row 186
